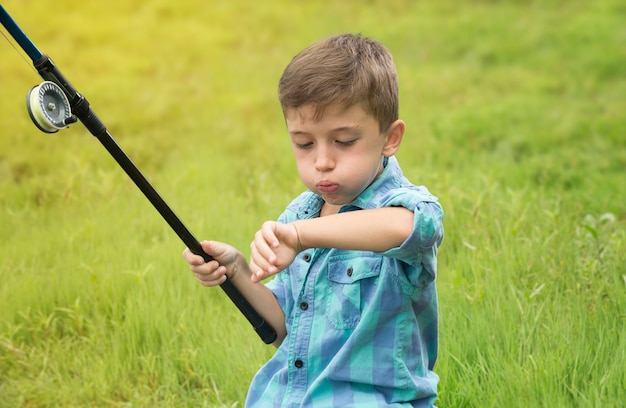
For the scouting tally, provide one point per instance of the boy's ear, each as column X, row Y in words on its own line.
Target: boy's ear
column 393, row 138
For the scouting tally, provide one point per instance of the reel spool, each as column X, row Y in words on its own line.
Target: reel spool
column 48, row 107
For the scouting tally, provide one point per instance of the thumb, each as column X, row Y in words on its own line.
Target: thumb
column 223, row 253
column 213, row 248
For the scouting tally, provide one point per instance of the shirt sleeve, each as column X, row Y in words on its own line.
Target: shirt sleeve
column 420, row 248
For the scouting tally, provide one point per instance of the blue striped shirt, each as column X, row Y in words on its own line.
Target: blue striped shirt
column 362, row 327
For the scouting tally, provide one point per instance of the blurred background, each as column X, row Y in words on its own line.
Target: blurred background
column 515, row 119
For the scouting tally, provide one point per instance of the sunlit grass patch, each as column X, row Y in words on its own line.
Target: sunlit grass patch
column 514, row 115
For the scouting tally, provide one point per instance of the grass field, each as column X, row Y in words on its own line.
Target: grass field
column 516, row 119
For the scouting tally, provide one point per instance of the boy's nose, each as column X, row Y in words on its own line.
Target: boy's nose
column 324, row 161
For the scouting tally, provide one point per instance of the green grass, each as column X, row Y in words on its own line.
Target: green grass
column 515, row 119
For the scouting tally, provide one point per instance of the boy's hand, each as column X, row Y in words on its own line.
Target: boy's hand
column 214, row 272
column 274, row 248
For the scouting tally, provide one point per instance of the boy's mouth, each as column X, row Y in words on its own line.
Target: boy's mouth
column 327, row 186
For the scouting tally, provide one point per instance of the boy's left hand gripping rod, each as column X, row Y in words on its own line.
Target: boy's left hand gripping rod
column 81, row 109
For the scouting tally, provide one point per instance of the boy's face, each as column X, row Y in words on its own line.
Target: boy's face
column 341, row 154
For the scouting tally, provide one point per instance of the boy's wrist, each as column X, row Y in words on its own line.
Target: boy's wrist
column 300, row 243
column 239, row 268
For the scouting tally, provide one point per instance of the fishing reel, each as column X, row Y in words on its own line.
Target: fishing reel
column 49, row 108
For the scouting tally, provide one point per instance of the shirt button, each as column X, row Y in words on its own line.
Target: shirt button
column 304, row 305
column 349, row 272
column 306, row 257
column 298, row 363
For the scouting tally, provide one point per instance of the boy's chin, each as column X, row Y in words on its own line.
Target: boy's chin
column 337, row 201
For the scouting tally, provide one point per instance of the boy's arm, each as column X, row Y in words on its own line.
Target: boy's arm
column 374, row 230
column 276, row 245
column 227, row 261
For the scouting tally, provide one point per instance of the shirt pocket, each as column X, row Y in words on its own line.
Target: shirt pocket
column 349, row 279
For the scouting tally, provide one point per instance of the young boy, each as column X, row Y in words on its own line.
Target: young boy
column 355, row 303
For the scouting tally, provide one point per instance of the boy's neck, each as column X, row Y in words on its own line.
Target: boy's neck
column 329, row 209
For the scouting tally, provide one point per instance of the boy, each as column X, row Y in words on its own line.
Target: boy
column 355, row 306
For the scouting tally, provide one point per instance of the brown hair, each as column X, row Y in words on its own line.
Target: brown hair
column 342, row 70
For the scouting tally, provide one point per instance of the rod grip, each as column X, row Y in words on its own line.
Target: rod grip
column 263, row 329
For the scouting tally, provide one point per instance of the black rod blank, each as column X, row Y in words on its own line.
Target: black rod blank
column 81, row 108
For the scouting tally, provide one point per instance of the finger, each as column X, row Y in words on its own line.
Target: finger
column 257, row 261
column 269, row 234
column 223, row 253
column 257, row 277
column 265, row 261
column 263, row 247
column 191, row 258
column 259, row 268
column 211, row 248
column 216, row 277
column 257, row 273
column 207, row 270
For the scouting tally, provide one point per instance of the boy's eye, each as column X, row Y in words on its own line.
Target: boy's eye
column 346, row 142
column 303, row 145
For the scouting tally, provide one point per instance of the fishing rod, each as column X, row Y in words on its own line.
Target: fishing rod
column 55, row 104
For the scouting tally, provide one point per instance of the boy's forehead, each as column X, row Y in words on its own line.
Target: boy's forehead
column 312, row 113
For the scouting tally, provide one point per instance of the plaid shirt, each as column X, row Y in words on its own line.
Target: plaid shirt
column 361, row 326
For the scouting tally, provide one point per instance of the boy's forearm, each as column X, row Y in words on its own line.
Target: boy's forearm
column 375, row 230
column 261, row 299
